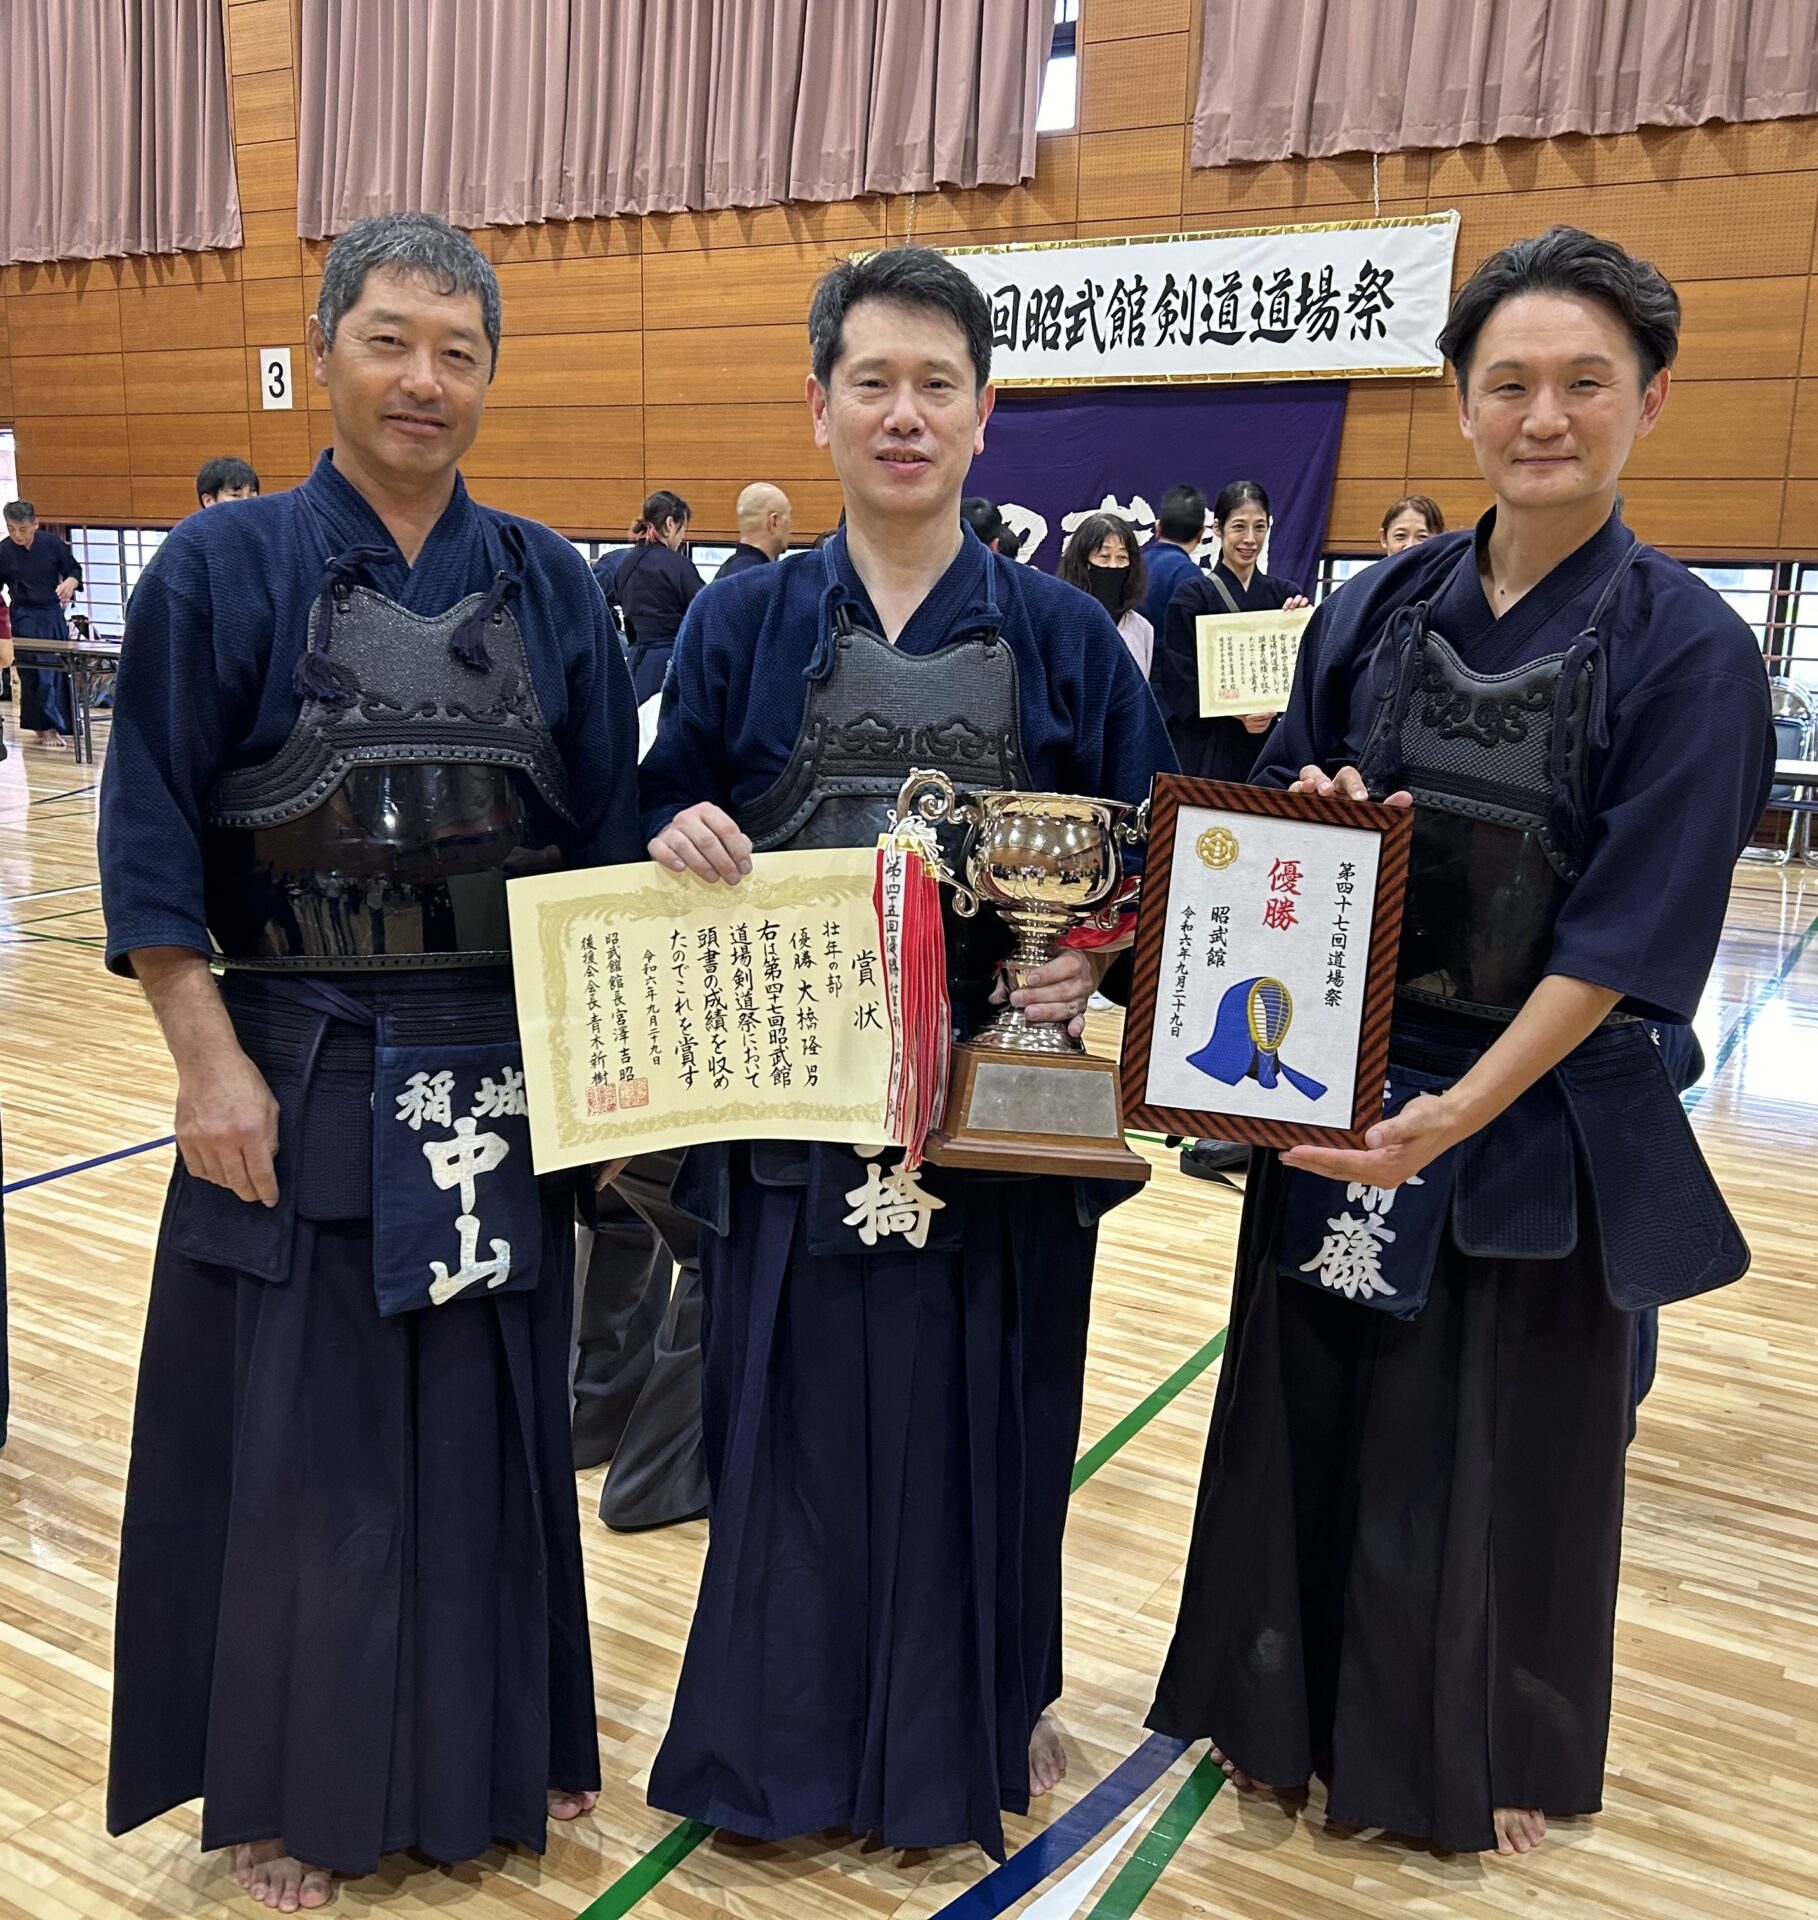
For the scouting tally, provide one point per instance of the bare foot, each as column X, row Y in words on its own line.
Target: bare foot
column 1519, row 1829
column 1234, row 1773
column 1047, row 1759
column 277, row 1881
column 570, row 1806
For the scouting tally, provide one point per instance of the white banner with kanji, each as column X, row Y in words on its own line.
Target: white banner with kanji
column 1354, row 300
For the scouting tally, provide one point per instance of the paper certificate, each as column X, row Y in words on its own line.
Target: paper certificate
column 1246, row 660
column 1265, row 964
column 660, row 1011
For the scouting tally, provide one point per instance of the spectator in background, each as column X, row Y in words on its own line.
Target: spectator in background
column 40, row 576
column 1179, row 528
column 984, row 518
column 1224, row 748
column 655, row 582
column 765, row 518
column 1412, row 519
column 1104, row 560
column 226, row 478
column 1221, row 749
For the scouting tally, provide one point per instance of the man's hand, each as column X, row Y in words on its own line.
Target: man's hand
column 1294, row 603
column 1347, row 784
column 1395, row 1149
column 1057, row 991
column 609, row 1173
column 1258, row 722
column 66, row 591
column 704, row 840
column 227, row 1127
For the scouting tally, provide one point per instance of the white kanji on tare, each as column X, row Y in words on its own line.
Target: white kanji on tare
column 891, row 1201
column 500, row 1099
column 425, row 1099
column 1349, row 1260
column 459, row 1162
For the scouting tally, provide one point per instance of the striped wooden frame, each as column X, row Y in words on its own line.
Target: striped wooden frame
column 1396, row 825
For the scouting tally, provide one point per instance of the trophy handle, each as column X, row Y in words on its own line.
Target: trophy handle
column 929, row 795
column 1133, row 828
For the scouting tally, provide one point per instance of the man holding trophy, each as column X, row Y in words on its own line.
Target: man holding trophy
column 893, row 1355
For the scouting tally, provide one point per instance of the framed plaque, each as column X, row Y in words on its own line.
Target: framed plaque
column 1265, row 964
column 1246, row 660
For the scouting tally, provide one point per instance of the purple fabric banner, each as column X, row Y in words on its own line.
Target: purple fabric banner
column 1050, row 457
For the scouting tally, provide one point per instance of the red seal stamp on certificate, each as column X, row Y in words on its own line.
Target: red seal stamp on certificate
column 634, row 1093
column 602, row 1099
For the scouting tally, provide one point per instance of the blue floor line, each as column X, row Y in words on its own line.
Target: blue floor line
column 1055, row 1845
column 82, row 1166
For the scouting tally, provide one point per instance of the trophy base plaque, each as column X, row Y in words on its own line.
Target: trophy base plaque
column 993, row 1094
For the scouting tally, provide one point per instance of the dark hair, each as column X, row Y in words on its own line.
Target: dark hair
column 20, row 511
column 1419, row 503
column 986, row 519
column 415, row 246
column 904, row 277
column 659, row 507
column 1568, row 260
column 224, row 472
column 1085, row 541
column 1239, row 494
column 1183, row 514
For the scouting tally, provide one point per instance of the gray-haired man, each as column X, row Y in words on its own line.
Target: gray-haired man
column 351, row 1615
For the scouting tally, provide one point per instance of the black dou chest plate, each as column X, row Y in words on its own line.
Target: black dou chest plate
column 381, row 834
column 875, row 716
column 1496, row 765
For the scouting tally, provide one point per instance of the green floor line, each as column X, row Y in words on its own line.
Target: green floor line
column 1160, row 1844
column 636, row 1881
column 632, row 1885
column 1144, row 1411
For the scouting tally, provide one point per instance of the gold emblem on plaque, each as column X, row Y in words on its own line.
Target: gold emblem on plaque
column 1216, row 847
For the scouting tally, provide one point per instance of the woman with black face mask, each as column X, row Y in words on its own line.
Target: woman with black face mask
column 1103, row 559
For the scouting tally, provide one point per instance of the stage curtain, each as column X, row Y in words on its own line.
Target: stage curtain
column 118, row 137
column 506, row 112
column 1284, row 78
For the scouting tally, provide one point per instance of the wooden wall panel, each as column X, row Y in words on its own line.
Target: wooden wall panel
column 1136, row 83
column 1723, row 428
column 671, row 350
column 1802, row 449
column 167, row 444
column 1136, row 20
column 258, row 37
column 265, row 106
column 87, row 444
column 208, row 315
column 66, row 323
column 766, row 442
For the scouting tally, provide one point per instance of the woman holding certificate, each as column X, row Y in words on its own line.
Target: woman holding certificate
column 1404, row 1563
column 1223, row 748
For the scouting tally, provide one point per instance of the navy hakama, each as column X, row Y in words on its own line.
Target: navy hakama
column 350, row 1612
column 890, row 1441
column 890, row 1429
column 44, row 693
column 1405, row 1555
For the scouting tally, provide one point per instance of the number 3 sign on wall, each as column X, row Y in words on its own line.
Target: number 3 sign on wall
column 275, row 384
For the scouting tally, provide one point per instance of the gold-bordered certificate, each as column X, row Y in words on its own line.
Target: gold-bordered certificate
column 658, row 1010
column 1246, row 660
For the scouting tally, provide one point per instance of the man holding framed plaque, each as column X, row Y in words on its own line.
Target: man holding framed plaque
column 1404, row 1562
column 894, row 1355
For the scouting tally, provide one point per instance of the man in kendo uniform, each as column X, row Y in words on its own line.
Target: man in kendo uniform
column 890, row 1420
column 351, row 1615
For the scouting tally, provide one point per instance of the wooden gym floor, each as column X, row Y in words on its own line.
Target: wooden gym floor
column 1712, row 1804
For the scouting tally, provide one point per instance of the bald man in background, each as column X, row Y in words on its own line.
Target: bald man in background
column 764, row 521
